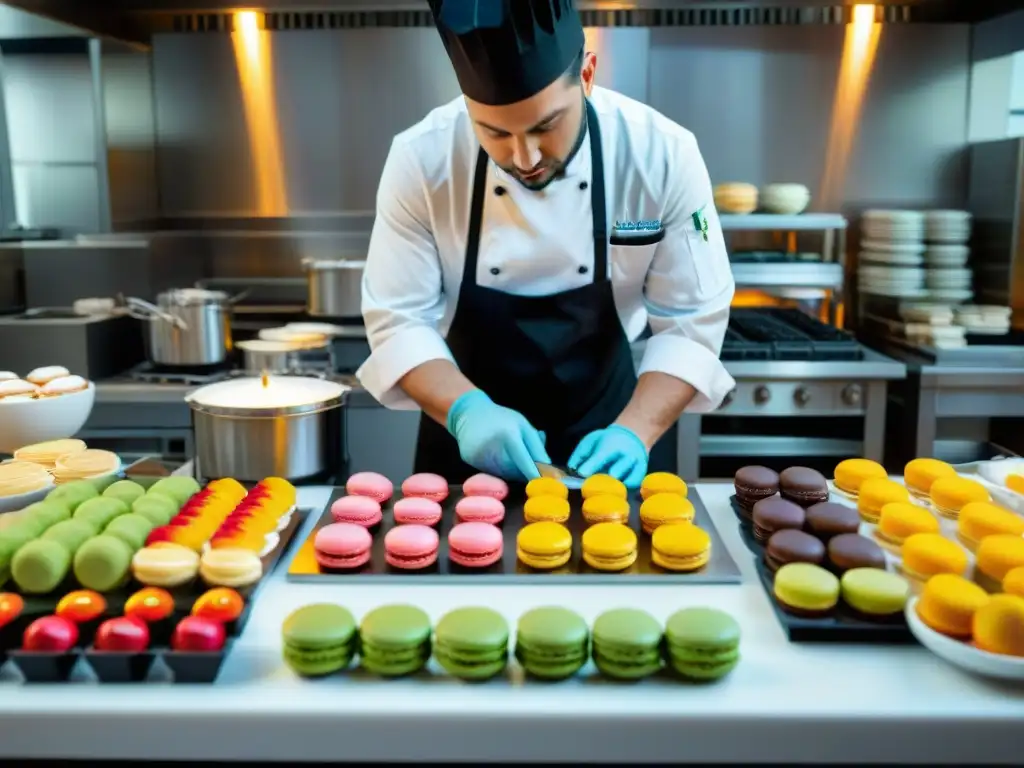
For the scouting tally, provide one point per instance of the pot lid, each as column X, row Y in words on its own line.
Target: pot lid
column 267, row 395
column 334, row 263
column 297, row 339
column 192, row 296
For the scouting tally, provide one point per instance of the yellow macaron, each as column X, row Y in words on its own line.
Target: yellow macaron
column 951, row 494
column 900, row 520
column 544, row 546
column 919, row 475
column 980, row 519
column 662, row 482
column 546, row 486
column 1015, row 483
column 850, row 474
column 875, row 493
column 605, row 509
column 665, row 509
column 603, row 485
column 546, row 509
column 948, row 604
column 929, row 554
column 997, row 556
column 680, row 547
column 1013, row 581
column 167, row 565
column 230, row 567
column 609, row 547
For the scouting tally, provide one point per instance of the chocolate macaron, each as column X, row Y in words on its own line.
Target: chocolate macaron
column 830, row 519
column 791, row 546
column 776, row 514
column 754, row 483
column 849, row 550
column 803, row 486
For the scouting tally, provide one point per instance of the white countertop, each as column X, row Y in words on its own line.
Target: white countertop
column 785, row 702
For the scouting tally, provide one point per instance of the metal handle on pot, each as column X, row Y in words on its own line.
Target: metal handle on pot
column 141, row 309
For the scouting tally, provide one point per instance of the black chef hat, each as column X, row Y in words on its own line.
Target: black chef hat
column 505, row 51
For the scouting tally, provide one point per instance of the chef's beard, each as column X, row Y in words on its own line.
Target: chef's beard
column 554, row 169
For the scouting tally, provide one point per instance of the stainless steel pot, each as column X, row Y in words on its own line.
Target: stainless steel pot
column 262, row 356
column 334, row 288
column 192, row 327
column 285, row 426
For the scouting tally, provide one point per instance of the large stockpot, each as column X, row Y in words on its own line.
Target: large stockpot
column 271, row 426
column 334, row 288
column 192, row 327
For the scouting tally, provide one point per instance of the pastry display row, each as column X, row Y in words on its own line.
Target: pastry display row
column 475, row 643
column 936, row 535
column 174, row 556
column 483, row 528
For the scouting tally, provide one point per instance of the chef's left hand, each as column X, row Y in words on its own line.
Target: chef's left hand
column 616, row 451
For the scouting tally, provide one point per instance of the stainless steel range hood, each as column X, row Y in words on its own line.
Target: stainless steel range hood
column 137, row 20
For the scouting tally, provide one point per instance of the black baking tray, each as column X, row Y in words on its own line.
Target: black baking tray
column 842, row 626
column 793, row 335
column 720, row 570
column 184, row 597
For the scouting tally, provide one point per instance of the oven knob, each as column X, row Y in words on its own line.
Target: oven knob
column 802, row 396
column 729, row 397
column 762, row 395
column 853, row 394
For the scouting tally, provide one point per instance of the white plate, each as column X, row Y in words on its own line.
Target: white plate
column 898, row 259
column 22, row 500
column 961, row 654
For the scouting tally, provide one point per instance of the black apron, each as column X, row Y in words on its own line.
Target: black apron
column 563, row 360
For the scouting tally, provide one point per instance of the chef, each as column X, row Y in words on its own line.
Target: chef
column 526, row 234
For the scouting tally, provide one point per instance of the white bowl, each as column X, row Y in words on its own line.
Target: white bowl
column 961, row 654
column 24, row 422
column 22, row 500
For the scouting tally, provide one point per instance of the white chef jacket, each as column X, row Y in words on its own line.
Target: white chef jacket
column 539, row 243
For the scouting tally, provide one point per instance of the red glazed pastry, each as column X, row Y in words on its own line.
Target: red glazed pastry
column 50, row 634
column 123, row 634
column 11, row 606
column 198, row 634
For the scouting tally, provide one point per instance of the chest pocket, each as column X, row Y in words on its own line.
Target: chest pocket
column 631, row 262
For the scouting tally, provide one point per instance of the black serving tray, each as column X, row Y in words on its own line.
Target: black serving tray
column 160, row 632
column 720, row 570
column 842, row 626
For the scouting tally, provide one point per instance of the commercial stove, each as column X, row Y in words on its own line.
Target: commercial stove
column 805, row 392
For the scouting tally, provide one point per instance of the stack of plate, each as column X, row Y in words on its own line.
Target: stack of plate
column 892, row 254
column 946, row 256
column 984, row 319
column 931, row 325
column 947, row 227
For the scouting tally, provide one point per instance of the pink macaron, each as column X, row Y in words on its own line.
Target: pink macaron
column 475, row 545
column 417, row 511
column 485, row 485
column 426, row 486
column 411, row 547
column 480, row 509
column 371, row 485
column 360, row 510
column 342, row 546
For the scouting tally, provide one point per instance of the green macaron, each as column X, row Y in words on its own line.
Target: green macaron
column 73, row 493
column 552, row 643
column 40, row 566
column 100, row 511
column 472, row 643
column 319, row 639
column 102, row 563
column 181, row 489
column 11, row 540
column 131, row 529
column 72, row 534
column 627, row 644
column 156, row 508
column 125, row 490
column 702, row 643
column 394, row 640
column 48, row 513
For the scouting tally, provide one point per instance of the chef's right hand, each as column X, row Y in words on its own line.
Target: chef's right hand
column 495, row 439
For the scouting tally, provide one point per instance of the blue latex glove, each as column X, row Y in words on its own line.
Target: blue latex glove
column 616, row 451
column 495, row 439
